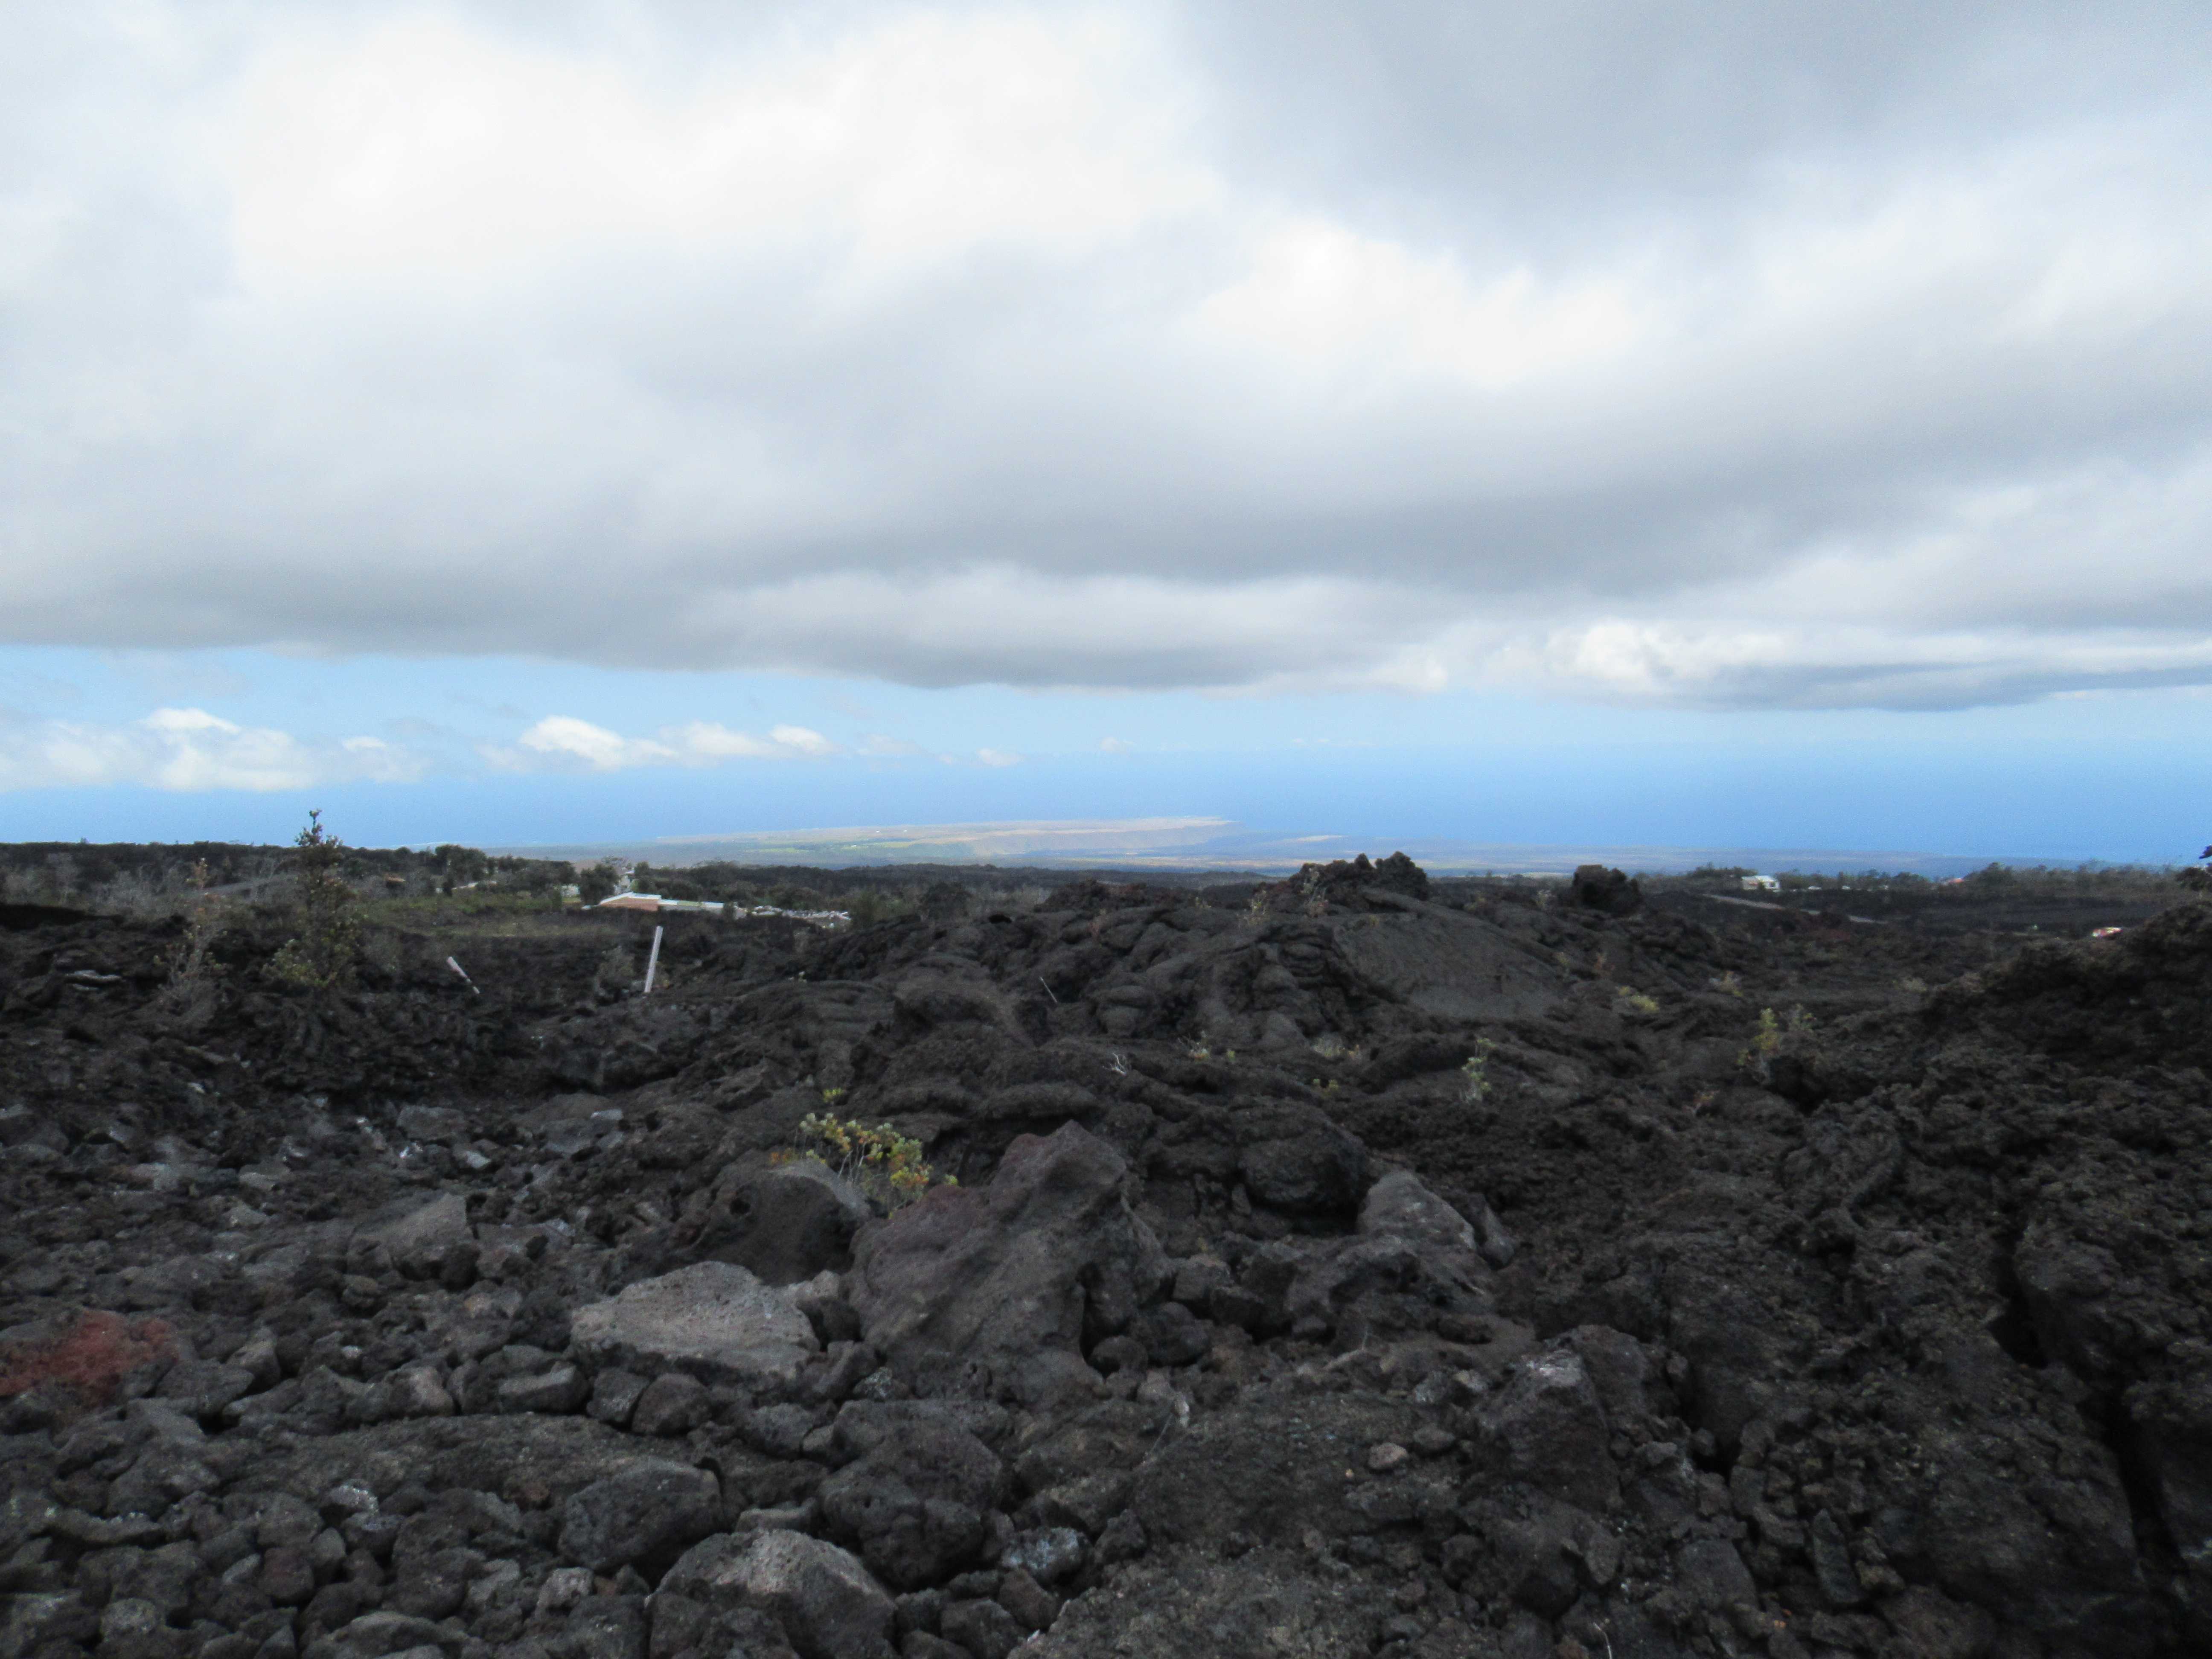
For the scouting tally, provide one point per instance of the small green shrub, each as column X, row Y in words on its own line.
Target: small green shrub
column 1765, row 1043
column 189, row 988
column 1475, row 1074
column 884, row 1164
column 321, row 956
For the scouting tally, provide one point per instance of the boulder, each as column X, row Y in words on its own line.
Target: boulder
column 829, row 1605
column 560, row 1388
column 985, row 1629
column 713, row 1320
column 1048, row 1554
column 1414, row 1258
column 1272, row 1465
column 989, row 1290
column 1299, row 1160
column 1172, row 1334
column 1534, row 1547
column 374, row 1634
column 1548, row 1430
column 671, row 1405
column 605, row 1628
column 416, row 1235
column 1619, row 1369
column 914, row 1502
column 784, row 1223
column 1611, row 892
column 646, row 1515
column 1399, row 1206
column 201, row 1389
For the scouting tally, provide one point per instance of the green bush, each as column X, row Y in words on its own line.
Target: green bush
column 321, row 956
column 2197, row 877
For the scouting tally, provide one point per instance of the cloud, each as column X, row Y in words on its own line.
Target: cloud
column 998, row 757
column 881, row 746
column 564, row 739
column 562, row 736
column 188, row 750
column 1117, row 746
column 1741, row 357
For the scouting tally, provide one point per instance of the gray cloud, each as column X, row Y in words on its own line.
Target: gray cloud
column 1745, row 355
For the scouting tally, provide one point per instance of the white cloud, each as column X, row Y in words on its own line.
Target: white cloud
column 188, row 750
column 563, row 738
column 1117, row 746
column 881, row 746
column 1235, row 347
column 419, row 149
column 998, row 757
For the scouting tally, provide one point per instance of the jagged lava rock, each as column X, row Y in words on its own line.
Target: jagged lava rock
column 713, row 1319
column 914, row 1502
column 986, row 1290
column 648, row 1513
column 417, row 1234
column 784, row 1223
column 829, row 1605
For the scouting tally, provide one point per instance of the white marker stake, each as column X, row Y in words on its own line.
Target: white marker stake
column 653, row 962
column 463, row 973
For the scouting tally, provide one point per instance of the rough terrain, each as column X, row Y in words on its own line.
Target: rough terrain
column 1338, row 1272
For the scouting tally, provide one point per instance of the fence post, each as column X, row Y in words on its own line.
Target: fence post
column 653, row 962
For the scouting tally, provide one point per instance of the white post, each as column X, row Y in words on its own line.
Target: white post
column 653, row 962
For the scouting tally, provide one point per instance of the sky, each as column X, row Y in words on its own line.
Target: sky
column 1774, row 424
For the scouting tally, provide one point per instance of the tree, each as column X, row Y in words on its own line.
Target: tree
column 2198, row 878
column 321, row 956
column 463, row 865
column 596, row 883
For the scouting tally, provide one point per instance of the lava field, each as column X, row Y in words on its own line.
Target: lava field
column 1360, row 1267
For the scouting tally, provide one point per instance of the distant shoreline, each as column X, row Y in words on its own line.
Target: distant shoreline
column 1205, row 846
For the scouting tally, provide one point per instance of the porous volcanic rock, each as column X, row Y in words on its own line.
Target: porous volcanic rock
column 1354, row 1264
column 989, row 1290
column 713, row 1320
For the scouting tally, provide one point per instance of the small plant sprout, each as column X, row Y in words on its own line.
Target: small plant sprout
column 831, row 1096
column 190, row 970
column 1475, row 1073
column 1730, row 984
column 1636, row 1001
column 1765, row 1043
